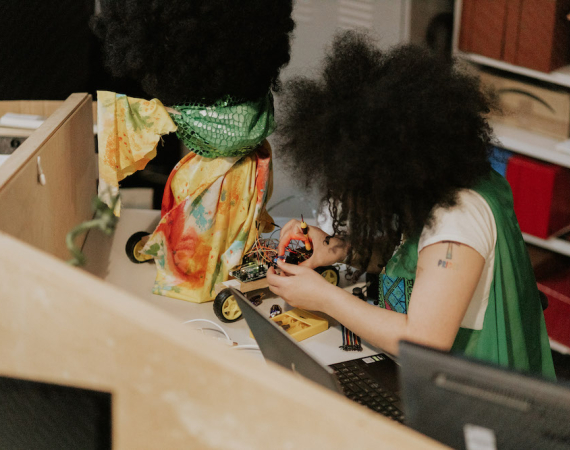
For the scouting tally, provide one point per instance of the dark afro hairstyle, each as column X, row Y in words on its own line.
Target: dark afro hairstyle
column 197, row 50
column 385, row 137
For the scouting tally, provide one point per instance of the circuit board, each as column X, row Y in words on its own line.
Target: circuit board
column 250, row 271
column 264, row 255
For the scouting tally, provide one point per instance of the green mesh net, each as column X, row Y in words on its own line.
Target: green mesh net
column 229, row 127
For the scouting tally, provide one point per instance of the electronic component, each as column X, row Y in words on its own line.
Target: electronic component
column 275, row 310
column 301, row 324
column 294, row 256
column 350, row 340
column 249, row 271
column 263, row 255
column 305, row 229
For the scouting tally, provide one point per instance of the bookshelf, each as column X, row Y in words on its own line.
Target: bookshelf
column 560, row 77
column 519, row 140
column 522, row 141
column 531, row 144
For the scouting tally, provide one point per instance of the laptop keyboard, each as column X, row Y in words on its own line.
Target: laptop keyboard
column 359, row 385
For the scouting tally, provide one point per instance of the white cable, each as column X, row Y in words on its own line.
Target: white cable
column 213, row 323
column 245, row 347
column 252, row 347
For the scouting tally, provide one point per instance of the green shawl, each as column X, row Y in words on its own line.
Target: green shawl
column 514, row 332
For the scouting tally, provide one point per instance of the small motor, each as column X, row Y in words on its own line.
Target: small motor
column 275, row 311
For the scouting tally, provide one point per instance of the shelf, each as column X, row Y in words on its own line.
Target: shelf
column 556, row 245
column 560, row 77
column 530, row 144
column 560, row 348
column 520, row 140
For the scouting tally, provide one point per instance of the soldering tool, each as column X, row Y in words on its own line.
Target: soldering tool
column 305, row 229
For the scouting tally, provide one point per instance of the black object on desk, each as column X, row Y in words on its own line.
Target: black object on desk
column 373, row 282
column 38, row 416
column 468, row 404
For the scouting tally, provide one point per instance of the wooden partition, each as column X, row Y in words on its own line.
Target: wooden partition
column 43, row 214
column 171, row 387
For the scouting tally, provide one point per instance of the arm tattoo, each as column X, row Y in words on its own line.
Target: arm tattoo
column 447, row 264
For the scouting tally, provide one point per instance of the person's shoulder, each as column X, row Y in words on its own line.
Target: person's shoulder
column 470, row 221
column 468, row 203
column 468, row 199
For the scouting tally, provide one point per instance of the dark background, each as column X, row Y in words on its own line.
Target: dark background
column 48, row 51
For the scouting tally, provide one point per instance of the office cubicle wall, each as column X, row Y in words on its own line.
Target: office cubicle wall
column 63, row 149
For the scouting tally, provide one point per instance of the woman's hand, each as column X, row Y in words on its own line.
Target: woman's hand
column 323, row 254
column 300, row 286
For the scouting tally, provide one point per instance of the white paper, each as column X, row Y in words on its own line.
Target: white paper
column 479, row 438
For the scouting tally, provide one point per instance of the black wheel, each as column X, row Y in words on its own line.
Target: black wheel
column 226, row 307
column 134, row 246
column 329, row 273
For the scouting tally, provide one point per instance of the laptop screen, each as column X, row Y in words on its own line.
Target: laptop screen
column 277, row 346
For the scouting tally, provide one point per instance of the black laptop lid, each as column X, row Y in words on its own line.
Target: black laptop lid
column 277, row 346
column 469, row 404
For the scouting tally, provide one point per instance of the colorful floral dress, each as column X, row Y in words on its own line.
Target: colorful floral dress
column 214, row 201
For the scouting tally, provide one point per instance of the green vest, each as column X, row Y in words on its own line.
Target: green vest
column 514, row 333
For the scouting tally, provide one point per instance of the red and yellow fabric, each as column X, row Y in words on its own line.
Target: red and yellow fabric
column 212, row 209
column 129, row 130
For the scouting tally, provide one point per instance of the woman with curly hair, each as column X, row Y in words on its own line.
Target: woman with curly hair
column 214, row 64
column 398, row 144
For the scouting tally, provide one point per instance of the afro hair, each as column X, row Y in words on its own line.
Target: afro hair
column 197, row 50
column 384, row 137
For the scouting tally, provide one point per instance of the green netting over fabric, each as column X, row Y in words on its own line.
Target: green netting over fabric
column 229, row 127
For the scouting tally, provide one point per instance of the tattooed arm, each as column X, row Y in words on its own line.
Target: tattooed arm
column 439, row 300
column 446, row 278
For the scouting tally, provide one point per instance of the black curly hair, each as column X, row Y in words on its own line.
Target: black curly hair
column 385, row 137
column 197, row 50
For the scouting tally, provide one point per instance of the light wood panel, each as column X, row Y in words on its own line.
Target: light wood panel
column 43, row 214
column 172, row 387
column 36, row 107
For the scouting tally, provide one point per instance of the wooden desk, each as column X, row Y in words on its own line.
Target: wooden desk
column 106, row 259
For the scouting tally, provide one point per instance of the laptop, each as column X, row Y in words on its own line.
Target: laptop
column 371, row 381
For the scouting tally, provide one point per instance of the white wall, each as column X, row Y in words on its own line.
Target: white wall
column 317, row 21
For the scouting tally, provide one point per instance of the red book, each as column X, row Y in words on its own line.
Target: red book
column 541, row 193
column 512, row 28
column 557, row 315
column 544, row 36
column 466, row 25
column 482, row 27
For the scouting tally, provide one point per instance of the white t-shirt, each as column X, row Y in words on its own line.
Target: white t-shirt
column 470, row 222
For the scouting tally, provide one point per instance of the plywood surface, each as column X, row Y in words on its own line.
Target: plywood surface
column 40, row 214
column 172, row 388
column 36, row 107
